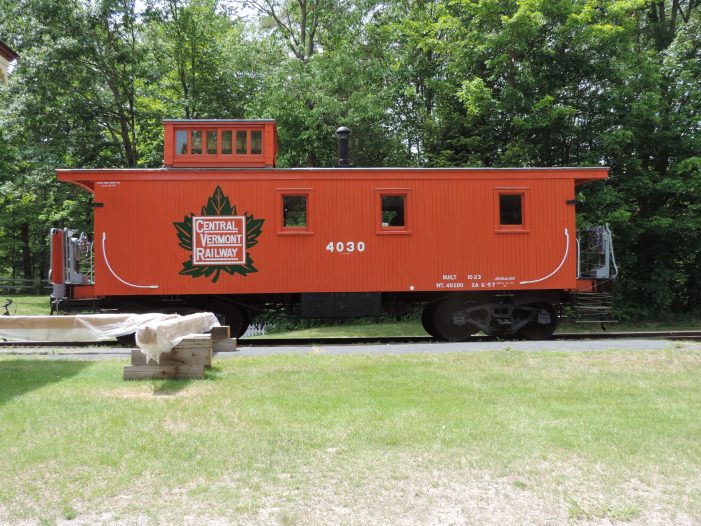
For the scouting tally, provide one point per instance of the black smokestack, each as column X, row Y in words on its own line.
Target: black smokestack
column 343, row 158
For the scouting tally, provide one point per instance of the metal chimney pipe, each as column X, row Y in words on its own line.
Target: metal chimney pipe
column 343, row 159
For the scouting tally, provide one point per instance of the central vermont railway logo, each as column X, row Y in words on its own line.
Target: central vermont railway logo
column 218, row 239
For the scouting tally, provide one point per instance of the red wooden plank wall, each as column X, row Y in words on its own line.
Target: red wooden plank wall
column 453, row 217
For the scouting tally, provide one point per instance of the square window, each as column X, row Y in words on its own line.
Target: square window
column 241, row 142
column 256, row 142
column 226, row 142
column 212, row 142
column 294, row 211
column 393, row 207
column 196, row 142
column 181, row 142
column 510, row 209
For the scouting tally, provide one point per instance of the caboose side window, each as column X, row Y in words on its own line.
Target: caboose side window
column 510, row 209
column 294, row 211
column 196, row 142
column 226, row 142
column 241, row 142
column 212, row 142
column 393, row 211
column 295, row 216
column 256, row 142
column 181, row 142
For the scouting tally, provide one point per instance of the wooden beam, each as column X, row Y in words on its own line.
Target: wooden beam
column 61, row 322
column 178, row 356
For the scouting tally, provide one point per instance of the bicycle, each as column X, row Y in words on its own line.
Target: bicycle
column 9, row 304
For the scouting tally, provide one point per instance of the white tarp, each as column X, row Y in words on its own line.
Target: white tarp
column 156, row 338
column 155, row 333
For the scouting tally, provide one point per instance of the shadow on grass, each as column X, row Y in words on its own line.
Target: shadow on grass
column 169, row 387
column 21, row 376
column 213, row 373
column 173, row 387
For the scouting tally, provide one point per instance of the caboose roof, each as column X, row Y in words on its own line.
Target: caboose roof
column 7, row 52
column 87, row 177
column 218, row 121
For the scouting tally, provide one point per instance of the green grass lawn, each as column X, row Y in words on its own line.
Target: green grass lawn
column 489, row 437
column 27, row 305
column 353, row 328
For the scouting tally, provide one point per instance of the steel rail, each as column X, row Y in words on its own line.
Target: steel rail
column 351, row 340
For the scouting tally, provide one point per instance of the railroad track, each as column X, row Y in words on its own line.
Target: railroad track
column 278, row 342
column 352, row 340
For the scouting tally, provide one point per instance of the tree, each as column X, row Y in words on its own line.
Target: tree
column 419, row 82
column 70, row 102
column 337, row 81
column 576, row 83
column 300, row 23
column 80, row 63
column 204, row 62
column 401, row 40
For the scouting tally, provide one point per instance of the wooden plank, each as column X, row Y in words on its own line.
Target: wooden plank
column 224, row 345
column 220, row 333
column 193, row 345
column 187, row 356
column 133, row 372
column 195, row 340
column 188, row 326
column 60, row 322
column 137, row 357
column 178, row 356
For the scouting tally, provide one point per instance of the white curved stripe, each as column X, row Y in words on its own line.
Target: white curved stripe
column 564, row 258
column 104, row 254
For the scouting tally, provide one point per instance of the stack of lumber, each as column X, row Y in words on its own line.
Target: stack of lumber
column 79, row 328
column 187, row 360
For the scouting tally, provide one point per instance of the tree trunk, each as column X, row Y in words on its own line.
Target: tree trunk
column 26, row 254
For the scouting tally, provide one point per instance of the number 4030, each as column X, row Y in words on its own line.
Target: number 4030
column 346, row 246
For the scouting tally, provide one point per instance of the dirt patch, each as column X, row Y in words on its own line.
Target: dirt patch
column 167, row 390
column 403, row 489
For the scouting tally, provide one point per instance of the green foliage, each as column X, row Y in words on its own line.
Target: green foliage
column 203, row 62
column 425, row 83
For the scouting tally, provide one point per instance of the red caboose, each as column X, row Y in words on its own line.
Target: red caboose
column 220, row 228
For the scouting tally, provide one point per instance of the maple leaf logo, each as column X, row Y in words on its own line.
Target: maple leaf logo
column 218, row 205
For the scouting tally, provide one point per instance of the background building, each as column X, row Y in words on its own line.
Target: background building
column 7, row 55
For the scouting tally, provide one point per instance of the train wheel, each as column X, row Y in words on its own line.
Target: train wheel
column 450, row 319
column 427, row 319
column 232, row 315
column 543, row 326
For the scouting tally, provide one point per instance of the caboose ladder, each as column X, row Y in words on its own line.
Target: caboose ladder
column 593, row 307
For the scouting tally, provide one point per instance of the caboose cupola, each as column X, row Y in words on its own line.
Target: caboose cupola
column 205, row 143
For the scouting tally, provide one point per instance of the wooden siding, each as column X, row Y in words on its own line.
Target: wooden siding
column 454, row 230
